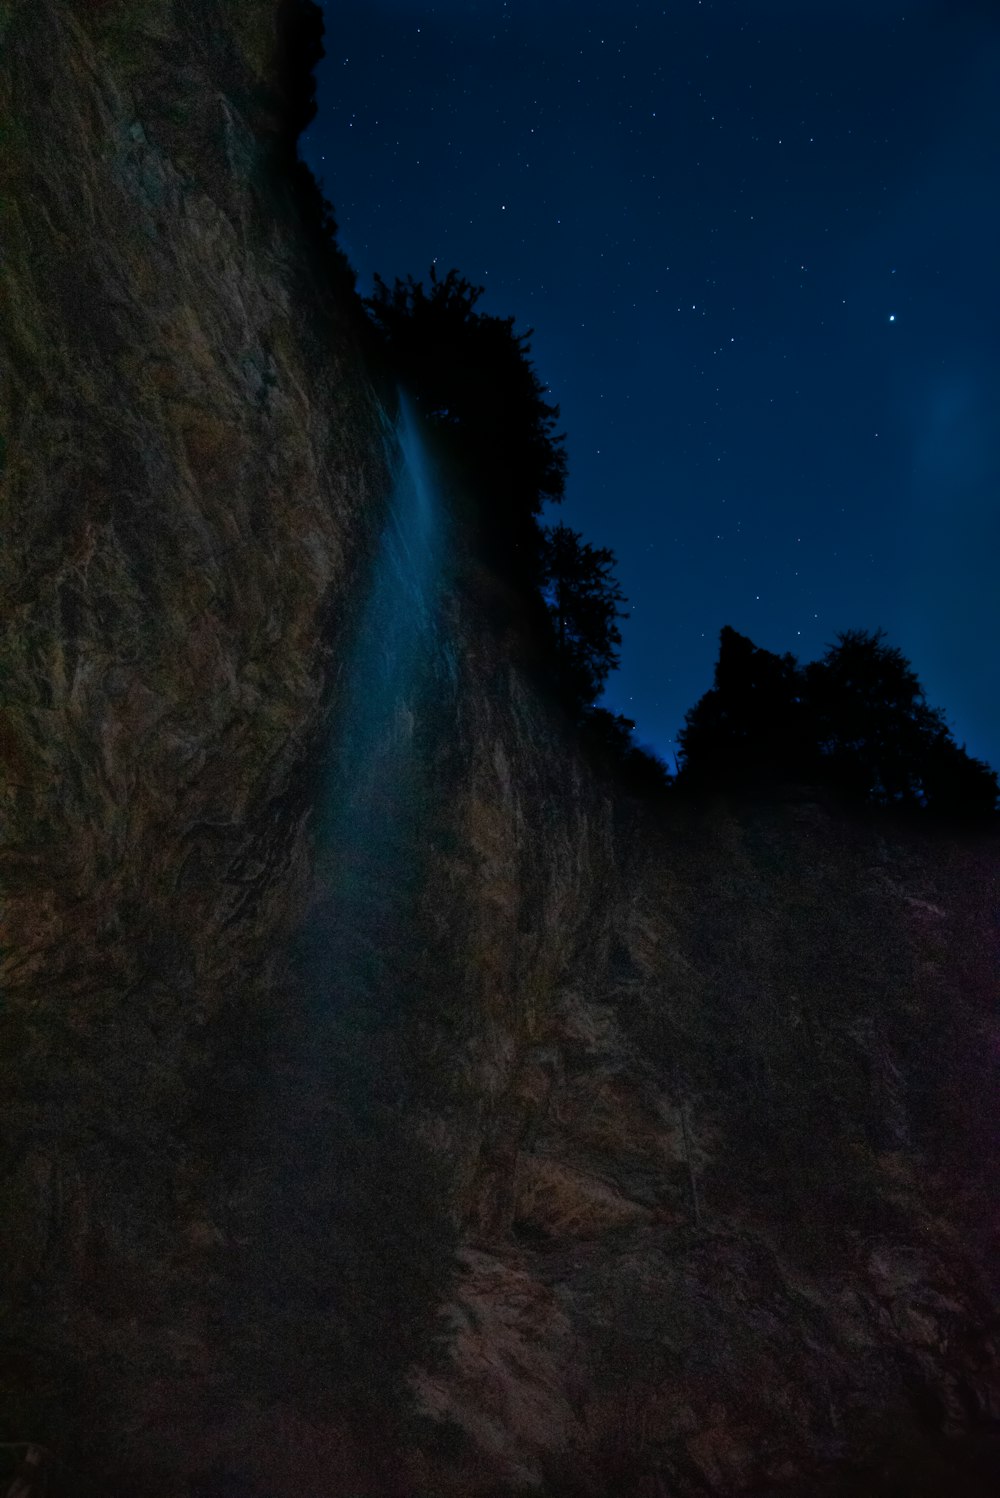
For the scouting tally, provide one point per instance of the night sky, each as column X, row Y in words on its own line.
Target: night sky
column 759, row 244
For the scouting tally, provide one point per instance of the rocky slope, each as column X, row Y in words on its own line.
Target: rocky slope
column 388, row 1109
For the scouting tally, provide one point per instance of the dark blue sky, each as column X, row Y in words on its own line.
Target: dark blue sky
column 758, row 243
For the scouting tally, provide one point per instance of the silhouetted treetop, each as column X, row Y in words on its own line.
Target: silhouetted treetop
column 472, row 377
column 857, row 719
column 870, row 717
column 752, row 721
column 584, row 601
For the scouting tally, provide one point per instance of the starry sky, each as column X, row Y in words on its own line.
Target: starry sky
column 757, row 241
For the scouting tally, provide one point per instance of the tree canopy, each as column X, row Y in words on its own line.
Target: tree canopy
column 751, row 722
column 857, row 719
column 471, row 375
column 472, row 378
column 584, row 601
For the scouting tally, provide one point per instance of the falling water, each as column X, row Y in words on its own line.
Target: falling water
column 369, row 839
column 346, row 1197
column 390, row 652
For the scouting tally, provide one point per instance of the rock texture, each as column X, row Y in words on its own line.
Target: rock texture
column 388, row 1108
column 750, row 1242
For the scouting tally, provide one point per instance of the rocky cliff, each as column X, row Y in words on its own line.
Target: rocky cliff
column 389, row 1108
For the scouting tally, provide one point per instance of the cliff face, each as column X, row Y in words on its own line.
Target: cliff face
column 190, row 460
column 387, row 1108
column 749, row 1238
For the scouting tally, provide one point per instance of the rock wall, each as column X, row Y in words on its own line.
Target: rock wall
column 751, row 1243
column 193, row 474
column 389, row 1109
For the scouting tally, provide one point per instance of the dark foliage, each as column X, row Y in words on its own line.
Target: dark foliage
column 871, row 722
column 608, row 739
column 878, row 738
column 751, row 723
column 316, row 213
column 955, row 783
column 472, row 377
column 583, row 597
column 857, row 720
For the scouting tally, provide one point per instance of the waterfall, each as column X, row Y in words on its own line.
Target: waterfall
column 368, row 833
column 390, row 654
column 343, row 1175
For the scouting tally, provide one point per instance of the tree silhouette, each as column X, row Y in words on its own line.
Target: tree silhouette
column 872, row 722
column 472, row 377
column 752, row 723
column 879, row 737
column 584, row 601
column 957, row 785
column 857, row 719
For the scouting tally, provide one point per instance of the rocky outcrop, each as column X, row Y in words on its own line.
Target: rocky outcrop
column 388, row 1107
